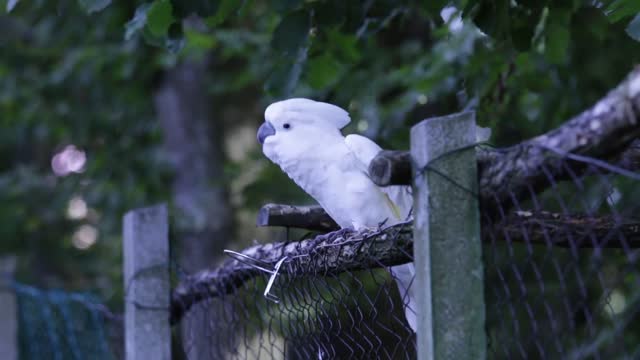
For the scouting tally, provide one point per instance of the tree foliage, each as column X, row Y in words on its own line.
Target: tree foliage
column 82, row 72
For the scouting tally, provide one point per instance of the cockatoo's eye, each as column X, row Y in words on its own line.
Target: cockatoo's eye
column 286, row 126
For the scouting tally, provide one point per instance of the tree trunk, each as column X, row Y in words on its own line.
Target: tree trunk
column 202, row 213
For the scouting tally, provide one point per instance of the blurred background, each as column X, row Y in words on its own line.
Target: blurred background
column 109, row 106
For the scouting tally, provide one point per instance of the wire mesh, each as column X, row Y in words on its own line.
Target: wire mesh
column 561, row 281
column 54, row 324
column 562, row 268
column 312, row 311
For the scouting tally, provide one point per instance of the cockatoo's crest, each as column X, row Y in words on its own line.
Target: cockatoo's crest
column 305, row 110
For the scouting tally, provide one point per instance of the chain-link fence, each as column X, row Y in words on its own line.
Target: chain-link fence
column 560, row 277
column 532, row 256
column 562, row 274
column 560, row 254
column 307, row 308
column 561, row 281
column 54, row 324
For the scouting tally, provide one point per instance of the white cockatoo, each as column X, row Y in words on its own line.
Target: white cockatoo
column 303, row 137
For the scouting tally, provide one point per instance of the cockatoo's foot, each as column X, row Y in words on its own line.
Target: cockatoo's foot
column 339, row 235
column 342, row 233
column 361, row 227
column 372, row 229
column 368, row 229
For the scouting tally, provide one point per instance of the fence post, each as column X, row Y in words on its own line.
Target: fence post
column 447, row 244
column 147, row 288
column 8, row 310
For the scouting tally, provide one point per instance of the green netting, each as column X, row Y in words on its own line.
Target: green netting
column 61, row 325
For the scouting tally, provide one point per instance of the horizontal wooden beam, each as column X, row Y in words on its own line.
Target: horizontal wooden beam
column 391, row 167
column 301, row 217
column 565, row 230
column 348, row 250
column 333, row 253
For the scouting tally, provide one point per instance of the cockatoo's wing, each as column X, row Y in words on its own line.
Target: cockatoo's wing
column 400, row 200
column 362, row 147
column 400, row 196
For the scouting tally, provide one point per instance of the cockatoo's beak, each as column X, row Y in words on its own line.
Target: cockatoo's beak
column 265, row 130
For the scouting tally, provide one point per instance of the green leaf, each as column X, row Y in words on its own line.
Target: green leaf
column 343, row 46
column 91, row 5
column 292, row 32
column 589, row 24
column 633, row 29
column 434, row 7
column 225, row 9
column 323, row 71
column 285, row 76
column 492, row 17
column 557, row 36
column 523, row 23
column 156, row 24
column 620, row 9
column 137, row 23
column 557, row 42
column 284, row 6
column 160, row 17
column 198, row 41
column 329, row 13
column 202, row 8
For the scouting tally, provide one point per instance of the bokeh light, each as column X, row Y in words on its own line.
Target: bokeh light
column 69, row 160
column 77, row 208
column 84, row 237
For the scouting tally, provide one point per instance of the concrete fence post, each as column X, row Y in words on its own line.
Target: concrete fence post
column 147, row 287
column 447, row 244
column 8, row 310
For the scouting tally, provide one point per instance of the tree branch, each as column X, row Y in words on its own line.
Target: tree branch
column 333, row 253
column 528, row 226
column 583, row 231
column 391, row 167
column 605, row 131
column 301, row 217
